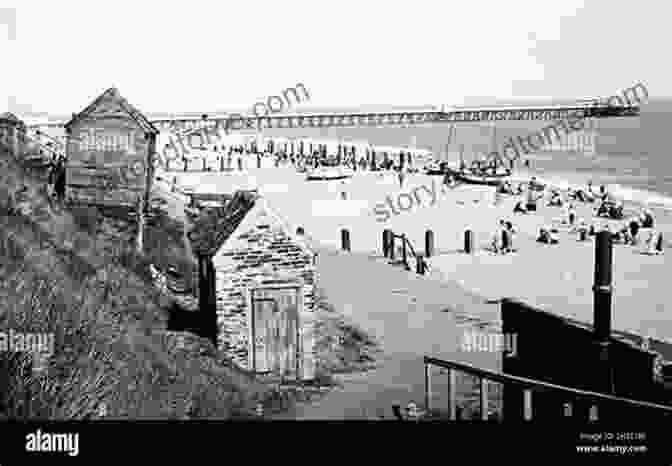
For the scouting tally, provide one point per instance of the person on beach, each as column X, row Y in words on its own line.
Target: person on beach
column 507, row 238
column 556, row 199
column 582, row 231
column 647, row 219
column 548, row 235
column 531, row 205
column 498, row 238
column 571, row 214
column 634, row 229
column 655, row 243
column 620, row 235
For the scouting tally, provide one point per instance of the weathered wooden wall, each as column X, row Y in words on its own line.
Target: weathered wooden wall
column 108, row 161
column 13, row 136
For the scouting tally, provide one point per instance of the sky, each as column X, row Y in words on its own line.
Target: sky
column 207, row 56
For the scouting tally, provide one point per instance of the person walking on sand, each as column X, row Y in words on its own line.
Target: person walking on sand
column 498, row 238
column 402, row 176
column 571, row 214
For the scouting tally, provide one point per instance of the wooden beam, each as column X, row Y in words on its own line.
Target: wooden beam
column 527, row 403
column 428, row 387
column 484, row 398
column 452, row 397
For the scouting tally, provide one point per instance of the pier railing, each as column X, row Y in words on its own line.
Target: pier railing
column 599, row 404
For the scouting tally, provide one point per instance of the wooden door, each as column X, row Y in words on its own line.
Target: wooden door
column 275, row 331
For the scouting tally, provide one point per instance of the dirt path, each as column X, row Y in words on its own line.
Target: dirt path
column 407, row 314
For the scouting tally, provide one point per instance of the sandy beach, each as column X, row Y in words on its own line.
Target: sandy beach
column 557, row 277
column 410, row 323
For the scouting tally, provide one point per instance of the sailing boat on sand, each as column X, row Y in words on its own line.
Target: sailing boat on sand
column 479, row 173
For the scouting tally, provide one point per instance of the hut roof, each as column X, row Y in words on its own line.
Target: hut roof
column 7, row 116
column 112, row 95
column 211, row 231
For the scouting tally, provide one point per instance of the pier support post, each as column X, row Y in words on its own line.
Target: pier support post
column 429, row 243
column 345, row 240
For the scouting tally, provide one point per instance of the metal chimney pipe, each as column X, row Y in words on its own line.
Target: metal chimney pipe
column 602, row 289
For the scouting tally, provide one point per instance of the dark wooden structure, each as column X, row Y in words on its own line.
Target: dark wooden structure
column 110, row 150
column 12, row 134
column 556, row 350
column 572, row 369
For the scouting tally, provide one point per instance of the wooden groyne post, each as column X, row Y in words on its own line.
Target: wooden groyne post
column 387, row 242
column 429, row 243
column 420, row 265
column 345, row 240
column 468, row 241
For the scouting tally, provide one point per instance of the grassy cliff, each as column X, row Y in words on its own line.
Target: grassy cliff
column 73, row 273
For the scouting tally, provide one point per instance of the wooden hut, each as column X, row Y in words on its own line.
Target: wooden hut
column 12, row 134
column 256, row 284
column 110, row 150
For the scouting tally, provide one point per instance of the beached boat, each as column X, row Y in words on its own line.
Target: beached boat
column 535, row 185
column 329, row 173
column 439, row 168
column 474, row 177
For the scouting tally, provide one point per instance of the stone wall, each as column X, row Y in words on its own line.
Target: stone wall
column 262, row 254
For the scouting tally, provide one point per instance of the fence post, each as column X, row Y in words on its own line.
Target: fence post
column 428, row 387
column 420, row 265
column 452, row 390
column 527, row 403
column 345, row 239
column 386, row 242
column 484, row 398
column 429, row 243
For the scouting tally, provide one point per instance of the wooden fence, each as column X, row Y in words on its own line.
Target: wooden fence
column 600, row 406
